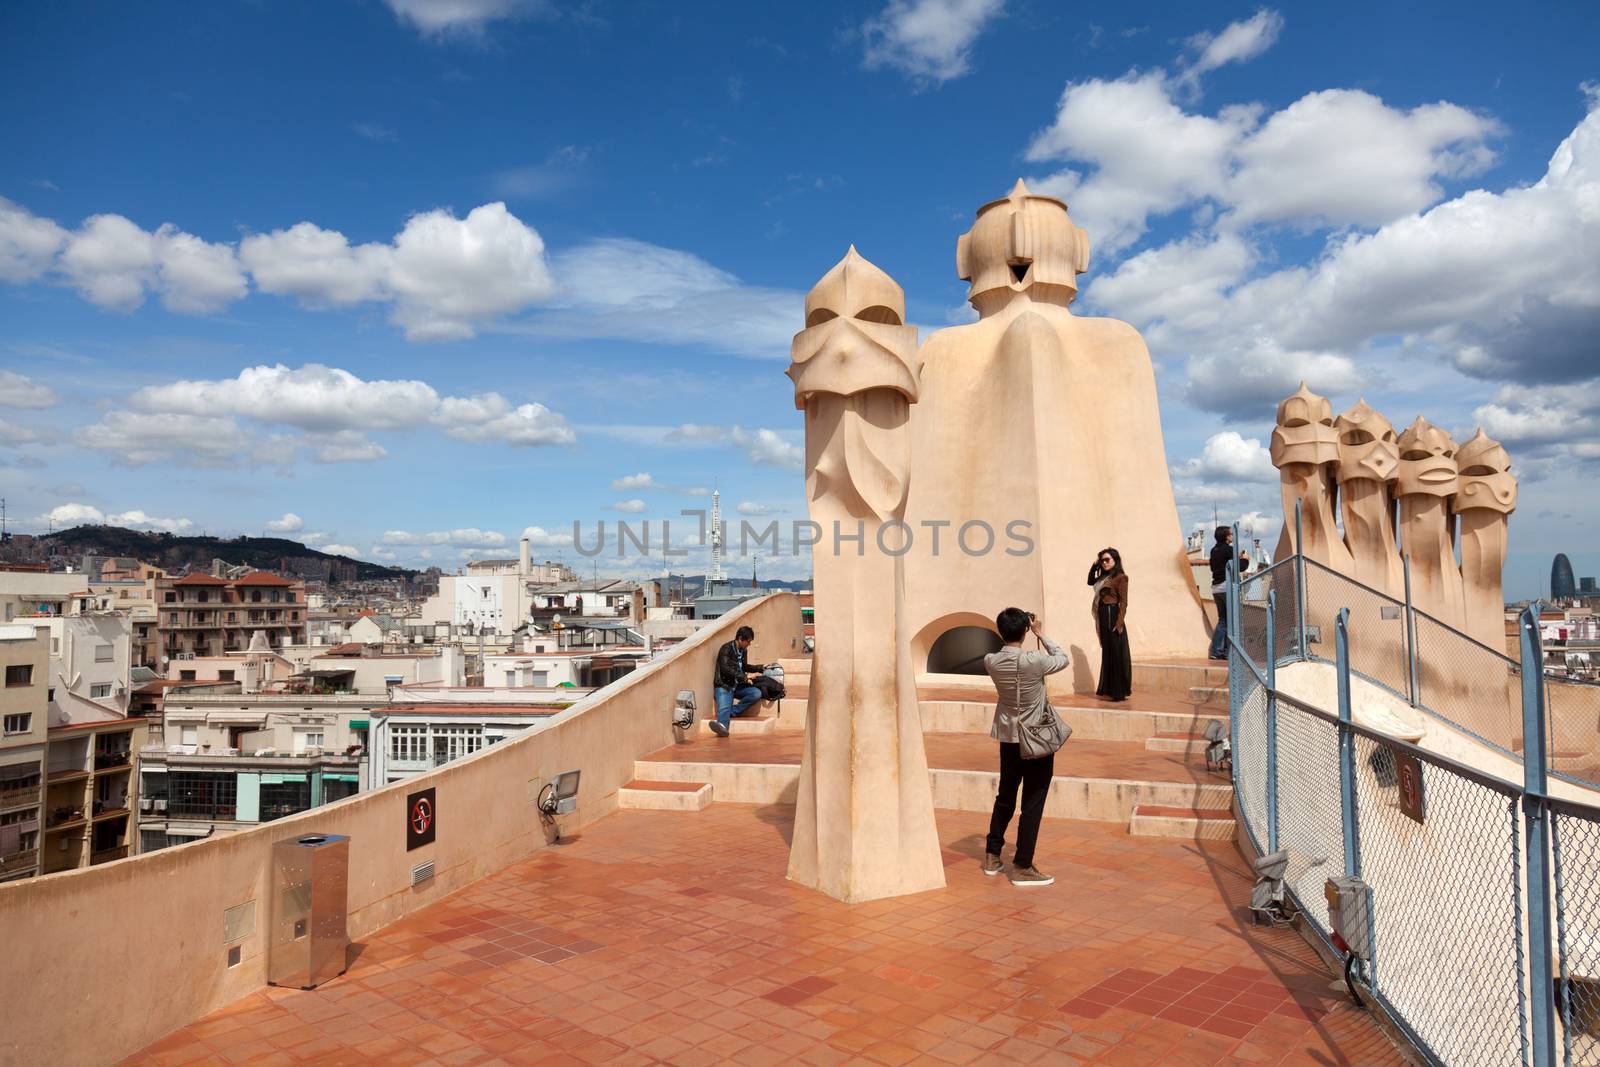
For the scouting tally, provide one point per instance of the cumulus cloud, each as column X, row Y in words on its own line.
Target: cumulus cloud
column 1231, row 456
column 63, row 515
column 315, row 537
column 1339, row 157
column 440, row 18
column 768, row 448
column 747, row 507
column 140, row 521
column 28, row 244
column 334, row 407
column 444, row 276
column 290, row 523
column 115, row 264
column 929, row 41
column 14, row 433
column 491, row 417
column 538, row 535
column 341, row 550
column 136, row 438
column 20, row 391
column 632, row 507
column 1414, row 285
column 643, row 480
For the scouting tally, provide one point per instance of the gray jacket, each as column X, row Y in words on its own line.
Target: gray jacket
column 1019, row 683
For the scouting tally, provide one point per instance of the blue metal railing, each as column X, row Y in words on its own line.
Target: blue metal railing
column 1489, row 936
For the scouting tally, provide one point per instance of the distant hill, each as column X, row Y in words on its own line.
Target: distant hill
column 173, row 552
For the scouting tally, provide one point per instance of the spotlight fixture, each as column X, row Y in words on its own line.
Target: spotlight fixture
column 683, row 709
column 560, row 797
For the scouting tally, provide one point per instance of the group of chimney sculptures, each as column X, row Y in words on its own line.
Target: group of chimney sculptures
column 1037, row 417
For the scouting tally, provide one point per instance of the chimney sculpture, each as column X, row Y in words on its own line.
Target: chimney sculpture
column 864, row 825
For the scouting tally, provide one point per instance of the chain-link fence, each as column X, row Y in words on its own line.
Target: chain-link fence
column 1440, row 843
column 1575, row 844
column 1573, row 715
column 1471, row 685
column 1447, row 909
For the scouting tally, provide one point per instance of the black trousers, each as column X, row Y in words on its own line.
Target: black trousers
column 1033, row 775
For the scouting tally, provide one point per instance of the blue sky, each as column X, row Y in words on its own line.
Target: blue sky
column 416, row 275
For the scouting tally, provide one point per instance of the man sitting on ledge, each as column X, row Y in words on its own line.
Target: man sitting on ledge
column 735, row 695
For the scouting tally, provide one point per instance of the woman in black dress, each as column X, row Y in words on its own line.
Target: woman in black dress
column 1110, row 607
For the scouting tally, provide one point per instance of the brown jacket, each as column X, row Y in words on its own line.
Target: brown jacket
column 1115, row 591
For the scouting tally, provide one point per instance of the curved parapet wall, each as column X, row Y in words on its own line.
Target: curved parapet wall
column 76, row 943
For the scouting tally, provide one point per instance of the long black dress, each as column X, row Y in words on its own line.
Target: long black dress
column 1116, row 663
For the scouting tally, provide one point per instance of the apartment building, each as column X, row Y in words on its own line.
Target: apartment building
column 90, row 793
column 222, row 762
column 24, row 724
column 30, row 593
column 90, row 663
column 201, row 615
column 424, row 728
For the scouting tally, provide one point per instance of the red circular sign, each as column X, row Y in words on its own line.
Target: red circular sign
column 421, row 815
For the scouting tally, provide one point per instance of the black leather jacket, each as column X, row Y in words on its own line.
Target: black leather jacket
column 732, row 668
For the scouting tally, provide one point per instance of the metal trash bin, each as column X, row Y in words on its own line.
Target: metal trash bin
column 308, row 940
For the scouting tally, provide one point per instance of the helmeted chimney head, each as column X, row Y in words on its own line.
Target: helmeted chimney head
column 1023, row 243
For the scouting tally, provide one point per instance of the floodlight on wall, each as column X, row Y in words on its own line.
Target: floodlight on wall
column 560, row 797
column 683, row 709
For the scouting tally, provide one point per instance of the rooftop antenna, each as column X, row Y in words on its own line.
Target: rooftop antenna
column 716, row 537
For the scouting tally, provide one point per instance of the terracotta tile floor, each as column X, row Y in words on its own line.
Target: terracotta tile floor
column 1128, row 760
column 663, row 937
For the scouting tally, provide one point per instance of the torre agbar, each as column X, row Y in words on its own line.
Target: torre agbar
column 1368, row 838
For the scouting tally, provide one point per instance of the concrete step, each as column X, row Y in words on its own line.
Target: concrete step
column 1209, row 696
column 1088, row 723
column 741, row 726
column 1194, row 824
column 664, row 796
column 1178, row 676
column 1097, row 799
column 795, row 666
column 1190, row 744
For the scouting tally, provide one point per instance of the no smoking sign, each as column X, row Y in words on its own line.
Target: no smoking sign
column 422, row 819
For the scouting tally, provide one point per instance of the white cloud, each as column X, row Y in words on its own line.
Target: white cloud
column 1231, row 456
column 445, row 276
column 20, row 391
column 768, row 448
column 1343, row 157
column 28, row 244
column 1148, row 155
column 1332, row 158
column 137, row 438
column 64, row 515
column 114, row 264
column 290, row 523
column 632, row 507
column 635, row 481
column 336, row 409
column 14, row 433
column 491, row 417
column 379, row 552
column 538, row 535
column 315, row 537
column 140, row 521
column 747, row 507
column 341, row 550
column 1238, row 42
column 439, row 18
column 316, row 266
column 626, row 290
column 312, row 397
column 930, row 41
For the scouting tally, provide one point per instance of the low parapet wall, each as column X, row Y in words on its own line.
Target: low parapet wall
column 99, row 963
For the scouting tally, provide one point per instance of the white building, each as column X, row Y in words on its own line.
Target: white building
column 91, row 658
column 424, row 728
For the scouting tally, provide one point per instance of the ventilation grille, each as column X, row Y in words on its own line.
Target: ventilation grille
column 421, row 873
column 239, row 922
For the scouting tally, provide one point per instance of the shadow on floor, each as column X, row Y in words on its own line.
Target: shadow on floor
column 781, row 818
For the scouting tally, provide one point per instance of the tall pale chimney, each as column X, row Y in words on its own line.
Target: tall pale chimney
column 524, row 564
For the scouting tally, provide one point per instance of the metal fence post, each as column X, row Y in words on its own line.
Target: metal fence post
column 1235, row 590
column 1347, row 748
column 1411, row 635
column 1536, row 822
column 1272, row 722
column 1300, row 585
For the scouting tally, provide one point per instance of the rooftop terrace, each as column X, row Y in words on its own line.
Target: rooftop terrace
column 668, row 937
